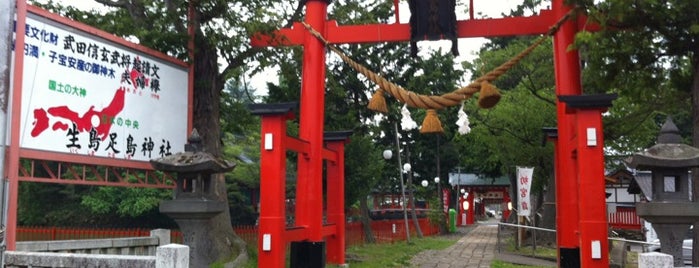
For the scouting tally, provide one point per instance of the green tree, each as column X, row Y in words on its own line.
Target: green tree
column 241, row 141
column 510, row 134
column 647, row 51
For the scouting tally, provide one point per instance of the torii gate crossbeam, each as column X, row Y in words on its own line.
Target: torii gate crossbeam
column 571, row 238
column 399, row 32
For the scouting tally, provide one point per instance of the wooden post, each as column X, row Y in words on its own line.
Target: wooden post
column 271, row 243
column 336, row 196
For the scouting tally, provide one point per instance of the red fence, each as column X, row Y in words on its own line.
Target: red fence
column 385, row 231
column 625, row 218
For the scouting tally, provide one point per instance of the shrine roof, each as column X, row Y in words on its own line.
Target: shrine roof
column 471, row 179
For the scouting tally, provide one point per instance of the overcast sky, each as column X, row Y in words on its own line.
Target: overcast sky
column 468, row 47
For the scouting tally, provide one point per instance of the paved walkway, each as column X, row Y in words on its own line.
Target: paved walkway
column 476, row 249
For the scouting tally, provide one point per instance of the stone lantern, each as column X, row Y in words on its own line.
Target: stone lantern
column 670, row 210
column 194, row 202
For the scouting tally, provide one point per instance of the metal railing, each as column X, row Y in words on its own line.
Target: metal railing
column 514, row 233
column 509, row 233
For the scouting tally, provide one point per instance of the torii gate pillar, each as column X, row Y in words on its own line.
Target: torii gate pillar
column 567, row 71
column 589, row 163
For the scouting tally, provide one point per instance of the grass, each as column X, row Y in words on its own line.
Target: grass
column 394, row 255
column 540, row 251
column 502, row 264
column 399, row 254
column 383, row 255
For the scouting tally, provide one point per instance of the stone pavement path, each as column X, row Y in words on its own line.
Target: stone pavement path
column 474, row 250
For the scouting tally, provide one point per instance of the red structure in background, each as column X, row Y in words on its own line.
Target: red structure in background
column 385, row 231
column 481, row 195
column 477, row 208
column 577, row 163
column 625, row 218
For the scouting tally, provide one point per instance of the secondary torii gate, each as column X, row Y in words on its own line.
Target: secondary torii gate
column 582, row 226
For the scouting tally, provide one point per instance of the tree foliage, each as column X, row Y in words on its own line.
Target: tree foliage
column 648, row 52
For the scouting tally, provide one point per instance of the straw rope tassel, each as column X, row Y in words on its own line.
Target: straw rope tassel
column 431, row 123
column 489, row 95
column 378, row 102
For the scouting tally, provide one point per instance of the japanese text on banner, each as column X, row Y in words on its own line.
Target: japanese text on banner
column 524, row 183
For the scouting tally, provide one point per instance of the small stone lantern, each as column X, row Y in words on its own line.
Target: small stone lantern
column 193, row 196
column 194, row 202
column 670, row 210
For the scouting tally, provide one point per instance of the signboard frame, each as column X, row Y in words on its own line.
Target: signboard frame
column 61, row 167
column 79, row 28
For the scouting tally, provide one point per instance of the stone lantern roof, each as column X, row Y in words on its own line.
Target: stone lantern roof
column 193, row 160
column 668, row 152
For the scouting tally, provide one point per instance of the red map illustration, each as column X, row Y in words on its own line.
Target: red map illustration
column 83, row 123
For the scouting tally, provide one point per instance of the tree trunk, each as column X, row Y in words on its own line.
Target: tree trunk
column 695, row 143
column 366, row 221
column 411, row 197
column 418, row 230
column 216, row 238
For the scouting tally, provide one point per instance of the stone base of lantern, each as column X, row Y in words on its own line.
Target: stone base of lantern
column 665, row 212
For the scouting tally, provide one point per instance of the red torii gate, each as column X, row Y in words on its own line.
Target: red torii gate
column 581, row 226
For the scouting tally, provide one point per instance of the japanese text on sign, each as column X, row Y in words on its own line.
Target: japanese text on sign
column 82, row 94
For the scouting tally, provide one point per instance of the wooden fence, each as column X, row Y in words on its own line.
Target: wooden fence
column 625, row 218
column 385, row 231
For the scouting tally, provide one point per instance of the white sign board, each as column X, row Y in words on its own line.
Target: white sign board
column 86, row 95
column 524, row 184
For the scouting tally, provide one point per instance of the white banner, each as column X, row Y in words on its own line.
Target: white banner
column 524, row 185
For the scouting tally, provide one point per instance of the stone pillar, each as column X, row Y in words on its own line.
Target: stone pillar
column 172, row 256
column 671, row 236
column 654, row 260
column 163, row 236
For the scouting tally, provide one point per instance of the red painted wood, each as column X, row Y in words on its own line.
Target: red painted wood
column 336, row 203
column 397, row 32
column 567, row 73
column 591, row 188
column 471, row 213
column 13, row 148
column 273, row 186
column 309, row 187
column 506, row 199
